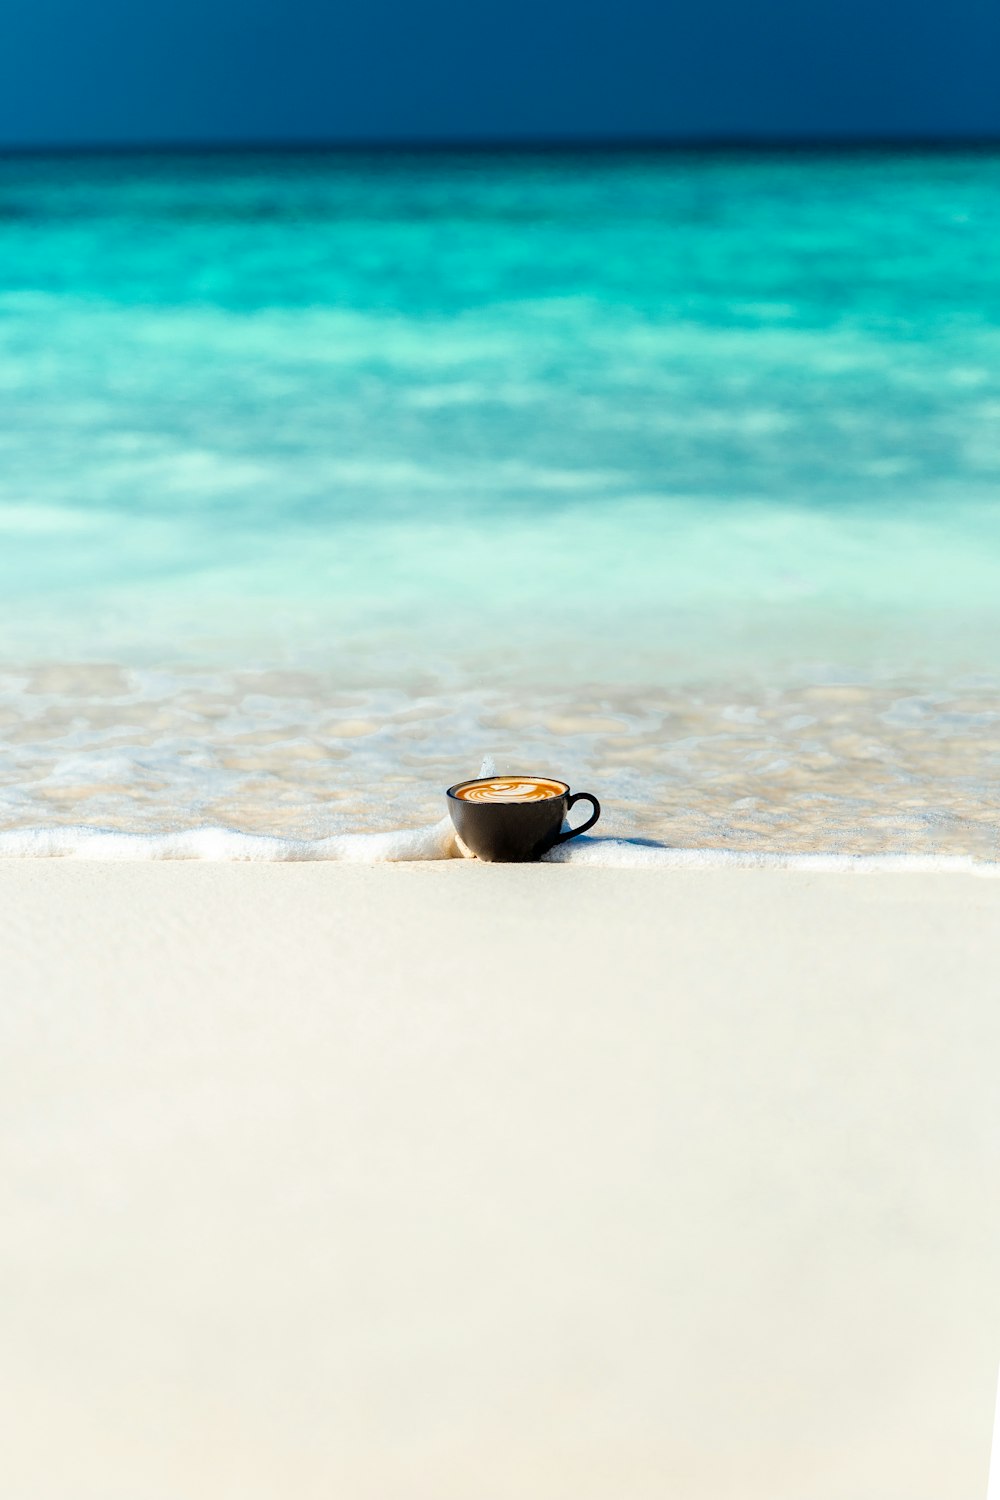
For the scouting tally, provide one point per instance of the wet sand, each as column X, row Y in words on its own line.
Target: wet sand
column 416, row 1182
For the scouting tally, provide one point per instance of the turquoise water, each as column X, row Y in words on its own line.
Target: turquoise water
column 677, row 473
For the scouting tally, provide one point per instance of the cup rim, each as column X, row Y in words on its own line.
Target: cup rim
column 511, row 801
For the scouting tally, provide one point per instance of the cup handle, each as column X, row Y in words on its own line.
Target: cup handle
column 571, row 833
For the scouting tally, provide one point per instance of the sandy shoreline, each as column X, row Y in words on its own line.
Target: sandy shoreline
column 438, row 1180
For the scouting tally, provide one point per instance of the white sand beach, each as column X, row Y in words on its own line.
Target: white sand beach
column 438, row 1181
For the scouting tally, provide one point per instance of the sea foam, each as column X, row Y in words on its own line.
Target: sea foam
column 434, row 842
column 438, row 842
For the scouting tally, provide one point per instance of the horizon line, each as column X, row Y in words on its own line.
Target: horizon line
column 541, row 145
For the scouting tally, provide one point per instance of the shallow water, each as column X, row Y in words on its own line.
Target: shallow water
column 322, row 477
column 831, row 766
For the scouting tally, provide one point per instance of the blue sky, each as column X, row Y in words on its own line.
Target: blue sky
column 119, row 71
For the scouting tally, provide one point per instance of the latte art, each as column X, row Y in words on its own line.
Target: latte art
column 511, row 789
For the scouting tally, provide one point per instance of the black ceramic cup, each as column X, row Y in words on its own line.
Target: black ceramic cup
column 517, row 830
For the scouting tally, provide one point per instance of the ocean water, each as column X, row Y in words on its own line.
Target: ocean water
column 324, row 476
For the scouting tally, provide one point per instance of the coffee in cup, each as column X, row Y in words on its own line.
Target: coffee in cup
column 510, row 789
